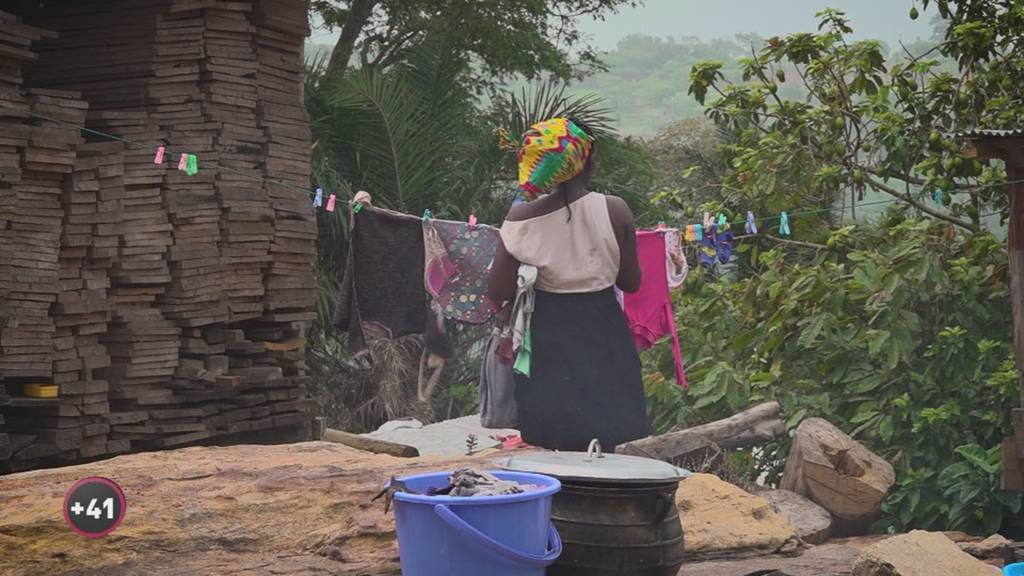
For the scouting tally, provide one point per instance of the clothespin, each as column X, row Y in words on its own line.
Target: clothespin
column 938, row 197
column 427, row 215
column 751, row 226
column 698, row 232
column 330, row 203
column 661, row 225
column 318, row 200
column 472, row 221
column 159, row 158
column 708, row 221
column 723, row 222
column 356, row 207
column 784, row 224
column 192, row 166
column 183, row 162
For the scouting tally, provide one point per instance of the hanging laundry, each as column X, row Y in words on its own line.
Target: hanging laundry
column 698, row 232
column 708, row 252
column 382, row 291
column 522, row 312
column 723, row 245
column 649, row 309
column 458, row 262
column 690, row 234
column 675, row 262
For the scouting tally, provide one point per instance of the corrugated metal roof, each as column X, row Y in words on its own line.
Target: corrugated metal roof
column 983, row 133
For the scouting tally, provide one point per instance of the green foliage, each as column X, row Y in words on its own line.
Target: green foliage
column 867, row 122
column 972, row 488
column 504, row 36
column 899, row 335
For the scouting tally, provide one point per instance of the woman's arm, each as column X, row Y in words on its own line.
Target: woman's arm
column 501, row 285
column 625, row 231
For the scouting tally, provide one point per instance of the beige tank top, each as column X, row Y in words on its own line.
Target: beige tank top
column 581, row 255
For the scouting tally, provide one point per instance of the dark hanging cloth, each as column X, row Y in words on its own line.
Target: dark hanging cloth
column 382, row 291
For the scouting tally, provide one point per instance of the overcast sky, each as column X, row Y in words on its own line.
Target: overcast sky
column 885, row 20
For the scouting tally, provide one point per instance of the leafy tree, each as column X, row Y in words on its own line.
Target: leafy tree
column 866, row 124
column 899, row 332
column 504, row 36
column 900, row 335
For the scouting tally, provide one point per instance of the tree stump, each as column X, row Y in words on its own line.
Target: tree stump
column 839, row 474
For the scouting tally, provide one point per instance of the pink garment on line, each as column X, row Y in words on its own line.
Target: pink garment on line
column 649, row 309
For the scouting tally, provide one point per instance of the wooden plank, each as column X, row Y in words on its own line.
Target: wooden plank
column 369, row 444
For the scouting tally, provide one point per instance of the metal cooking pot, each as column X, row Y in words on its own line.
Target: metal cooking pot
column 616, row 514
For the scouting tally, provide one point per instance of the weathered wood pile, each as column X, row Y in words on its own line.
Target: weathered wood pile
column 169, row 308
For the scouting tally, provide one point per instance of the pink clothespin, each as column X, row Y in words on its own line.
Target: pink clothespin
column 183, row 162
column 159, row 158
column 330, row 203
column 472, row 221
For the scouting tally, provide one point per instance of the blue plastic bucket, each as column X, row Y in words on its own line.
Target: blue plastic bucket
column 493, row 535
column 1014, row 569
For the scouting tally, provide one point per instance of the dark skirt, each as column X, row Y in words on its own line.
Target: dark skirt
column 585, row 379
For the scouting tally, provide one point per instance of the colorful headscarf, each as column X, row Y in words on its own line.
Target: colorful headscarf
column 552, row 152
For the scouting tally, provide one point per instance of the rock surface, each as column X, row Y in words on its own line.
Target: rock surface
column 812, row 522
column 723, row 521
column 298, row 509
column 919, row 554
column 827, row 560
column 290, row 510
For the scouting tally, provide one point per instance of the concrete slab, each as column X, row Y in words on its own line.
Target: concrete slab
column 446, row 438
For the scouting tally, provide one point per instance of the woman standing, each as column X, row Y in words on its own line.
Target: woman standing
column 585, row 379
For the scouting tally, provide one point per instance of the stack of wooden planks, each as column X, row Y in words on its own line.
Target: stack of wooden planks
column 281, row 28
column 169, row 308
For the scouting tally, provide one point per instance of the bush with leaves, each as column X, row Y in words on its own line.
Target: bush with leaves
column 900, row 335
column 869, row 121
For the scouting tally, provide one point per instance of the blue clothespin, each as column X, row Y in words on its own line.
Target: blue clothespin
column 318, row 200
column 784, row 224
column 751, row 226
column 698, row 232
column 427, row 215
column 938, row 197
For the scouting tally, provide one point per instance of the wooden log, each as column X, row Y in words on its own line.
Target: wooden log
column 369, row 444
column 754, row 426
column 839, row 474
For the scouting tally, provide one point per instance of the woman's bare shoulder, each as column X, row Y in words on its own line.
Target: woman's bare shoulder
column 618, row 211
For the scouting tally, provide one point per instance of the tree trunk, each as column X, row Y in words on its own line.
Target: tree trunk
column 359, row 13
column 759, row 424
column 839, row 474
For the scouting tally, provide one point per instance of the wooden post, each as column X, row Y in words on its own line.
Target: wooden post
column 1013, row 476
column 1009, row 147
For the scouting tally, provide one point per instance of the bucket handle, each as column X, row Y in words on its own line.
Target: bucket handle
column 499, row 549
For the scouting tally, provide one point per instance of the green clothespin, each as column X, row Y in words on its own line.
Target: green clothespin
column 427, row 215
column 191, row 165
column 357, row 207
column 723, row 222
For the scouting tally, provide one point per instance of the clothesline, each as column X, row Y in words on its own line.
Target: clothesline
column 318, row 200
column 155, row 146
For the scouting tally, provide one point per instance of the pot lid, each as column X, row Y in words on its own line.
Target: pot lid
column 594, row 465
